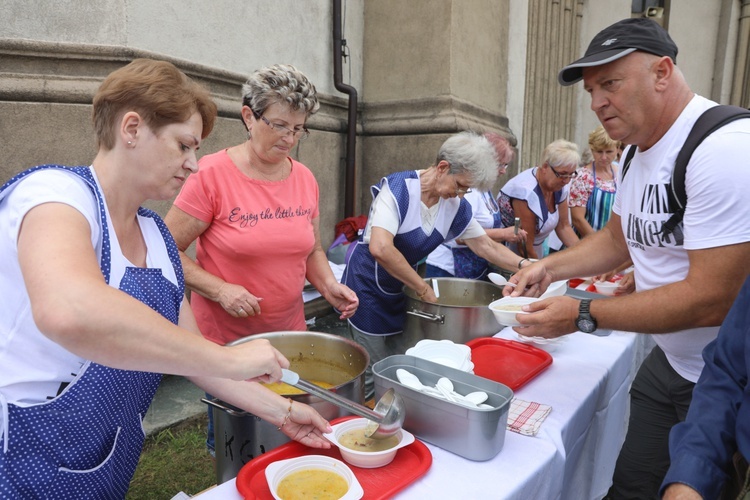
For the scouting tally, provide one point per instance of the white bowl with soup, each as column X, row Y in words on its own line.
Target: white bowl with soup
column 312, row 476
column 506, row 309
column 363, row 452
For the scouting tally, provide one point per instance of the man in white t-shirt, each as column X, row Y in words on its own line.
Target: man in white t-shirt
column 687, row 280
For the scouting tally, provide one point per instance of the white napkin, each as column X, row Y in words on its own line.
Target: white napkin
column 525, row 417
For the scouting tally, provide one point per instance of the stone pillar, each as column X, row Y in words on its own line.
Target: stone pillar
column 550, row 109
column 431, row 68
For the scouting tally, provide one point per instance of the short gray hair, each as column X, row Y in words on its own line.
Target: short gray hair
column 280, row 83
column 471, row 153
column 561, row 153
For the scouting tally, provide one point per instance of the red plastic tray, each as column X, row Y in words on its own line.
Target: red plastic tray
column 507, row 361
column 409, row 464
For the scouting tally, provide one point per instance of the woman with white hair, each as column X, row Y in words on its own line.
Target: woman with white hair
column 539, row 197
column 413, row 212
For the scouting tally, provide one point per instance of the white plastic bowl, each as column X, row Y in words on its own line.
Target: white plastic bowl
column 555, row 289
column 277, row 471
column 605, row 287
column 505, row 317
column 445, row 352
column 366, row 459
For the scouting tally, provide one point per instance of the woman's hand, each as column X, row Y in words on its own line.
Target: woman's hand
column 256, row 360
column 343, row 299
column 508, row 234
column 427, row 294
column 302, row 423
column 237, row 301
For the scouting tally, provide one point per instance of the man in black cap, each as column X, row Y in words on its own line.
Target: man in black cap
column 686, row 281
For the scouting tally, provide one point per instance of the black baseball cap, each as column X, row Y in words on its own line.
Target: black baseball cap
column 619, row 40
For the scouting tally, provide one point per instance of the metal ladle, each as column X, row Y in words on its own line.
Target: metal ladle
column 385, row 419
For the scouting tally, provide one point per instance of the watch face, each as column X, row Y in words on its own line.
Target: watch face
column 586, row 325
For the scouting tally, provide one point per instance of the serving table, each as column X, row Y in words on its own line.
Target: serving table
column 574, row 453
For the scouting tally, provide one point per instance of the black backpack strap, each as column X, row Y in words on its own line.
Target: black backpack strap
column 626, row 161
column 712, row 119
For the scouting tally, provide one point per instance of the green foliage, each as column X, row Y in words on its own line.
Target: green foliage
column 174, row 460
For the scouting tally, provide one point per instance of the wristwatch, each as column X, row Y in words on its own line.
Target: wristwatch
column 585, row 321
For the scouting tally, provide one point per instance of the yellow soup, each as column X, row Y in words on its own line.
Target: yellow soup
column 312, row 484
column 288, row 390
column 513, row 308
column 355, row 440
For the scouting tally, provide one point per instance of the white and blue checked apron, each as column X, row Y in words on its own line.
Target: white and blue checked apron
column 85, row 443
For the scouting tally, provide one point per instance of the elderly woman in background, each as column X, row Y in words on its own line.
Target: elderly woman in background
column 539, row 197
column 94, row 309
column 592, row 193
column 254, row 213
column 413, row 212
column 453, row 258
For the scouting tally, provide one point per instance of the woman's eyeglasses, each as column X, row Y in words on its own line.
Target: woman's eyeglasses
column 283, row 131
column 571, row 175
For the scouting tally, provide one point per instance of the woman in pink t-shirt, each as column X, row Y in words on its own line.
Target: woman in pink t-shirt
column 253, row 212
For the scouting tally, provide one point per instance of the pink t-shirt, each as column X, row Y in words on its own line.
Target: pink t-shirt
column 260, row 237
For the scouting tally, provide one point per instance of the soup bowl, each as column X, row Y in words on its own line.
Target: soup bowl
column 360, row 457
column 276, row 472
column 506, row 309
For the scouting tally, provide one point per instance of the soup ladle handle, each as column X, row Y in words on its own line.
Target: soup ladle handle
column 292, row 378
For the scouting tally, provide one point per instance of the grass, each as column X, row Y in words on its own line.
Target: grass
column 174, row 460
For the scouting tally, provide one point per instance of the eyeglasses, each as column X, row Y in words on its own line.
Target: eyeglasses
column 283, row 131
column 571, row 175
column 460, row 191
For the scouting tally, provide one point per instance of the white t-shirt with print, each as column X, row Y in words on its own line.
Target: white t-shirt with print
column 717, row 214
column 33, row 368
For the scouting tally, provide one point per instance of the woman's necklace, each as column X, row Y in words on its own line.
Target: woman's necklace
column 276, row 176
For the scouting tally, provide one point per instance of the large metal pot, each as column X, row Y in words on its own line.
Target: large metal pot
column 320, row 357
column 461, row 313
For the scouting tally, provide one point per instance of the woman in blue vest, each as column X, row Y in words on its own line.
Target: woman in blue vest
column 413, row 212
column 93, row 300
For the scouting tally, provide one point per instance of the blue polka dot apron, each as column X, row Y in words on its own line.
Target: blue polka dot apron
column 85, row 443
column 382, row 303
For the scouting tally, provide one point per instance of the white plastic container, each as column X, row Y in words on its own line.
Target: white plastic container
column 366, row 459
column 446, row 352
column 277, row 471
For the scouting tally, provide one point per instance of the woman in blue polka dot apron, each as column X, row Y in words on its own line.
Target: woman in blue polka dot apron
column 411, row 214
column 94, row 307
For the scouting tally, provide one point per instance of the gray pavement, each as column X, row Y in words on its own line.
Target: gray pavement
column 178, row 399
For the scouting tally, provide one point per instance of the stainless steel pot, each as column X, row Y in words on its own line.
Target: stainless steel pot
column 321, row 357
column 461, row 313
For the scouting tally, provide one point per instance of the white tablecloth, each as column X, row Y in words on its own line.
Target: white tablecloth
column 574, row 454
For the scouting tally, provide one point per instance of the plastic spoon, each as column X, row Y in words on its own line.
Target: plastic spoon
column 445, row 386
column 477, row 397
column 412, row 381
column 499, row 280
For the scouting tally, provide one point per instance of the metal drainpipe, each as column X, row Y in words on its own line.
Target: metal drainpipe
column 351, row 132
